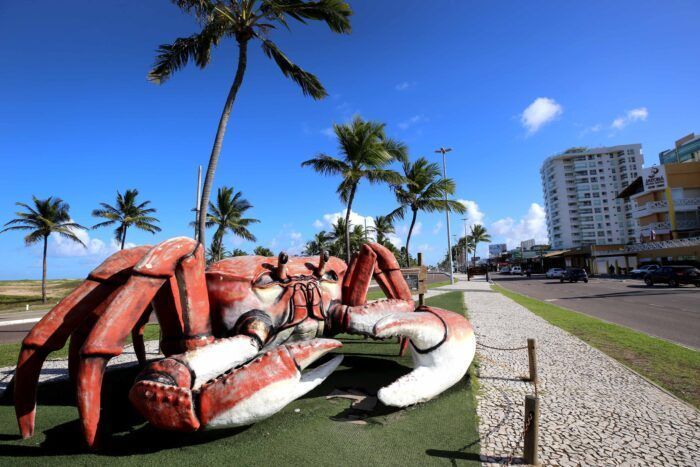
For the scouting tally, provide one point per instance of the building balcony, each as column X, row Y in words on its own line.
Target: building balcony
column 653, row 207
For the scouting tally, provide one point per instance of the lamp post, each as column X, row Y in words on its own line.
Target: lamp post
column 466, row 257
column 444, row 151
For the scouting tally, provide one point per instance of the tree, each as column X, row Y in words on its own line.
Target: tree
column 340, row 233
column 263, row 251
column 244, row 21
column 127, row 213
column 478, row 234
column 424, row 190
column 239, row 252
column 383, row 227
column 319, row 243
column 365, row 151
column 47, row 216
column 227, row 216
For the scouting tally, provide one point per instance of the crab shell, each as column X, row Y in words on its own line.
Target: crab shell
column 241, row 285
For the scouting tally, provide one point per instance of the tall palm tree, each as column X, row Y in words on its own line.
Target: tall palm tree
column 263, row 251
column 318, row 244
column 47, row 216
column 424, row 190
column 383, row 226
column 365, row 151
column 127, row 213
column 227, row 216
column 479, row 234
column 244, row 21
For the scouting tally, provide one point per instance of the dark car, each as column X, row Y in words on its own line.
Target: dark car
column 673, row 276
column 574, row 275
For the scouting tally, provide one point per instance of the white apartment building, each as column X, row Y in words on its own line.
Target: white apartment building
column 580, row 194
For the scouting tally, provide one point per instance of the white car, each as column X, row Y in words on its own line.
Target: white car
column 516, row 270
column 640, row 272
column 505, row 270
column 555, row 273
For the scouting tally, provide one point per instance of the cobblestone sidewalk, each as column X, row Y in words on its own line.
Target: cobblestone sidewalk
column 594, row 411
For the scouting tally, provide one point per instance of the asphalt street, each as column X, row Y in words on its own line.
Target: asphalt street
column 661, row 311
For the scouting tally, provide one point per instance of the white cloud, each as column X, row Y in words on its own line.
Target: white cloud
column 318, row 224
column 437, row 228
column 634, row 115
column 287, row 240
column 425, row 248
column 404, row 85
column 532, row 225
column 355, row 219
column 94, row 247
column 328, row 132
column 473, row 214
column 416, row 119
column 542, row 111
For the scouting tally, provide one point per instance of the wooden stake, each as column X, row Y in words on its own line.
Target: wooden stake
column 532, row 358
column 532, row 409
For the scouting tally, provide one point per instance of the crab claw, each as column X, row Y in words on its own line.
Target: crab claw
column 264, row 386
column 443, row 347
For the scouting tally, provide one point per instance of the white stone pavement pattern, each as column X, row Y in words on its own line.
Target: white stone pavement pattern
column 594, row 411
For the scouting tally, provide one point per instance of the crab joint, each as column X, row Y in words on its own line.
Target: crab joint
column 282, row 266
column 321, row 269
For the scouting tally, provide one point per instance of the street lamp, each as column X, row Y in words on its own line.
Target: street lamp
column 466, row 259
column 444, row 151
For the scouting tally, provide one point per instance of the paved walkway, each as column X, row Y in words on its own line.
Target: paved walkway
column 594, row 411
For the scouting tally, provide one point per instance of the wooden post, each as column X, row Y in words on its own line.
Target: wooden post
column 532, row 358
column 421, row 297
column 532, row 409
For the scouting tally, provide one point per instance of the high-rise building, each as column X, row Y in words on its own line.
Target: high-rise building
column 496, row 249
column 580, row 188
column 527, row 244
column 687, row 149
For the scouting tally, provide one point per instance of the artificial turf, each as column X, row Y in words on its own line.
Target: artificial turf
column 310, row 431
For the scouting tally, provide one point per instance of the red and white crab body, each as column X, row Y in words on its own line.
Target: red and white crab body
column 236, row 337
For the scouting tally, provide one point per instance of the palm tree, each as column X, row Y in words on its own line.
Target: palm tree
column 318, row 244
column 478, row 234
column 244, row 21
column 127, row 213
column 227, row 215
column 424, row 190
column 383, row 226
column 365, row 151
column 48, row 216
column 263, row 251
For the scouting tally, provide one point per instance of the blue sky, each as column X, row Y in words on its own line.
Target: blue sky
column 79, row 120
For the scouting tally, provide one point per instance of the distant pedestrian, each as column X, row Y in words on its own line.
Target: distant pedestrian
column 611, row 270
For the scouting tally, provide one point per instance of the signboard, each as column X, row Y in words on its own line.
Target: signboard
column 415, row 278
column 654, row 178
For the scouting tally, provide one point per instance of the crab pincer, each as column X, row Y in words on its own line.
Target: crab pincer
column 239, row 396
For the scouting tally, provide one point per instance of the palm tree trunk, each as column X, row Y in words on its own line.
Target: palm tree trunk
column 408, row 239
column 219, row 139
column 347, row 223
column 123, row 237
column 43, row 272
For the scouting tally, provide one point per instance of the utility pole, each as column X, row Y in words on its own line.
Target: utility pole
column 199, row 200
column 444, row 151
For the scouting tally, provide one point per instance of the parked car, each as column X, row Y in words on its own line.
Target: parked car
column 505, row 270
column 554, row 273
column 673, row 276
column 574, row 275
column 641, row 272
column 516, row 270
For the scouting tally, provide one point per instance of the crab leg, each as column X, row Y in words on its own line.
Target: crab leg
column 107, row 338
column 52, row 331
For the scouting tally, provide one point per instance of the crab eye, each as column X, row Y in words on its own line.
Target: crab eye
column 264, row 281
column 330, row 276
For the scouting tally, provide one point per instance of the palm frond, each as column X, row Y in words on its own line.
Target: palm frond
column 310, row 85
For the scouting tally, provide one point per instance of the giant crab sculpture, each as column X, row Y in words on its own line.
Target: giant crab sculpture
column 236, row 336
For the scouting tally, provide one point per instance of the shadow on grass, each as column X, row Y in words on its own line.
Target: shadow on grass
column 124, row 432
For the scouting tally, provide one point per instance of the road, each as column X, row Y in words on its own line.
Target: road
column 668, row 313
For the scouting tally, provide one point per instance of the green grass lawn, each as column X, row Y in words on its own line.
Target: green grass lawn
column 671, row 366
column 16, row 294
column 442, row 431
column 379, row 294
